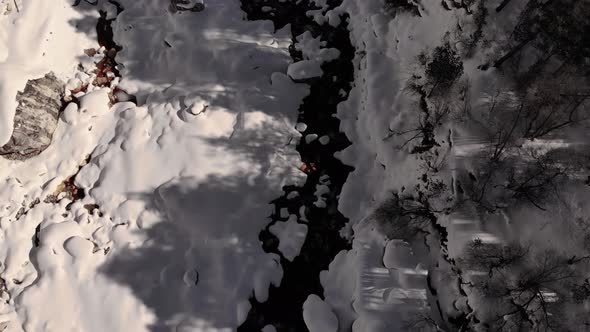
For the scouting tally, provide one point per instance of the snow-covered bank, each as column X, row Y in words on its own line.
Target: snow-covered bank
column 468, row 134
column 38, row 38
column 200, row 185
column 175, row 189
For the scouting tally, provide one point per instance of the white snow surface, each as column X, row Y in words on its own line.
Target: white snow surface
column 39, row 38
column 388, row 285
column 322, row 189
column 386, row 51
column 314, row 55
column 182, row 181
column 291, row 235
column 318, row 315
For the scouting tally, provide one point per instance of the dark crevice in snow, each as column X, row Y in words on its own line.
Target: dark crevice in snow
column 104, row 29
column 68, row 188
column 105, row 37
column 283, row 309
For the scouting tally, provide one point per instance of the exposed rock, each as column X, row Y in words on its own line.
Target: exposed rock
column 35, row 119
column 186, row 5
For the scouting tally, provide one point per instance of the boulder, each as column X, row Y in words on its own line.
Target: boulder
column 186, row 5
column 35, row 118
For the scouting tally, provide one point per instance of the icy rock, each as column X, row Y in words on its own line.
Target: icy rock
column 73, row 84
column 333, row 17
column 318, row 316
column 310, row 138
column 272, row 273
column 304, row 69
column 269, row 328
column 324, row 140
column 191, row 278
column 291, row 236
column 186, row 5
column 300, row 127
column 284, row 213
column 314, row 56
column 321, row 190
column 242, row 311
column 122, row 96
column 302, row 214
column 35, row 118
column 110, row 9
column 70, row 113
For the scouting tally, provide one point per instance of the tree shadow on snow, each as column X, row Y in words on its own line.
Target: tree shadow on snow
column 202, row 255
column 192, row 54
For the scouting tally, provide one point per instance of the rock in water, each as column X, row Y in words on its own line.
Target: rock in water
column 35, row 119
column 187, row 5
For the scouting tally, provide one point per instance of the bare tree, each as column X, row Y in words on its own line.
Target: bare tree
column 424, row 131
column 524, row 290
column 489, row 257
column 523, row 177
column 554, row 104
column 404, row 216
column 444, row 68
column 556, row 28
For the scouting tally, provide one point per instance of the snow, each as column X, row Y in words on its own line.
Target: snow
column 177, row 185
column 291, row 235
column 386, row 52
column 321, row 189
column 40, row 38
column 324, row 140
column 269, row 328
column 181, row 181
column 314, row 55
column 304, row 69
column 318, row 315
column 340, row 284
column 110, row 10
column 390, row 285
column 284, row 213
column 310, row 138
column 300, row 127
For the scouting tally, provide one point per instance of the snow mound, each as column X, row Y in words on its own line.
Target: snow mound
column 147, row 210
column 318, row 315
column 291, row 235
column 314, row 56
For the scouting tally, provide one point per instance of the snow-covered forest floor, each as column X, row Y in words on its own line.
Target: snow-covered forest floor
column 294, row 165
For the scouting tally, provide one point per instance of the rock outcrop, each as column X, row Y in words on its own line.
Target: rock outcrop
column 186, row 5
column 35, row 119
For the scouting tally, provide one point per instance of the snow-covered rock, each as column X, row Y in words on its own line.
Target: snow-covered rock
column 269, row 328
column 300, row 127
column 314, row 56
column 318, row 315
column 291, row 235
